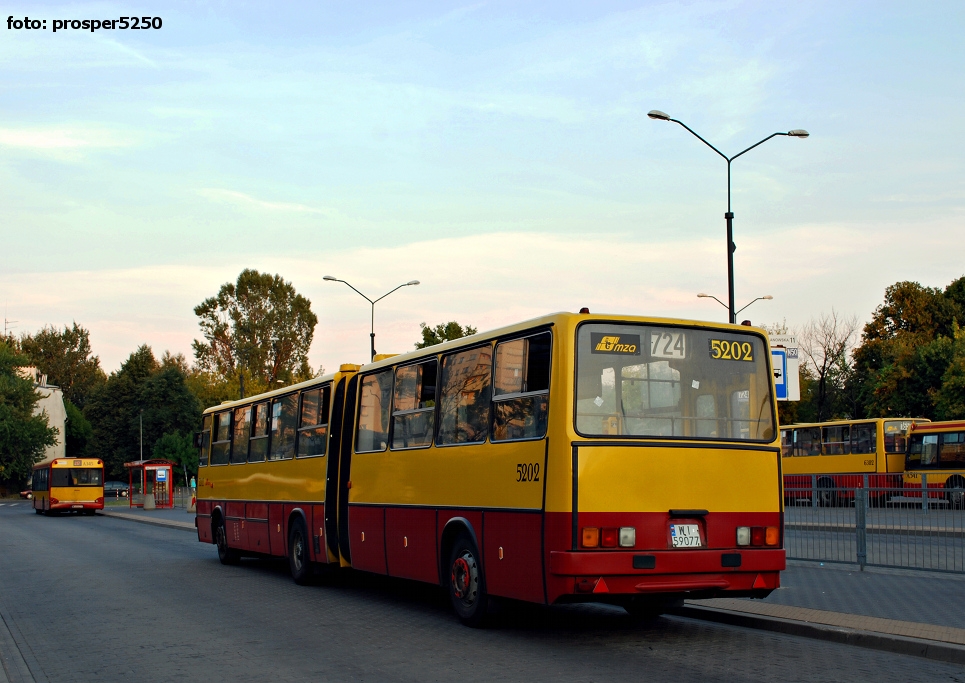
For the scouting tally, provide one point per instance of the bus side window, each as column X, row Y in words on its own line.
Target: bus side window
column 376, row 397
column 205, row 441
column 836, row 440
column 413, row 406
column 239, row 447
column 313, row 421
column 929, row 450
column 953, row 450
column 465, row 400
column 521, row 388
column 284, row 413
column 258, row 449
column 222, row 438
column 863, row 441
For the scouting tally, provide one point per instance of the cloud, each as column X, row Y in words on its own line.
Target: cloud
column 55, row 139
column 248, row 201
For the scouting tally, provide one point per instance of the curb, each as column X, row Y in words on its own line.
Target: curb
column 183, row 526
column 929, row 649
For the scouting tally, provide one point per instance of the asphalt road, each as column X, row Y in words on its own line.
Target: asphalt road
column 95, row 598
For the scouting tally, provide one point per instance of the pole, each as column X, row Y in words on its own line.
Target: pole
column 731, row 248
column 372, row 332
column 140, row 429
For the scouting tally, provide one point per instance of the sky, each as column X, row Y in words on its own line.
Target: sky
column 498, row 152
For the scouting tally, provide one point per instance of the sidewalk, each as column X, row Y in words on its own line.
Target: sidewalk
column 175, row 518
column 909, row 612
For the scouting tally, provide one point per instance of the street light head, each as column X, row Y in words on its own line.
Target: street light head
column 411, row 282
column 702, row 296
column 330, row 278
column 768, row 297
column 658, row 115
column 798, row 133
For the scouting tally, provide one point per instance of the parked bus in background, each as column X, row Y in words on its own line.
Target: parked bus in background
column 569, row 458
column 68, row 485
column 835, row 457
column 936, row 457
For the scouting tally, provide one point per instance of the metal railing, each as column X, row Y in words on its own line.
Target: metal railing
column 902, row 527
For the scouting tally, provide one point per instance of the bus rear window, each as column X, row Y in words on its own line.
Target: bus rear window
column 77, row 476
column 643, row 380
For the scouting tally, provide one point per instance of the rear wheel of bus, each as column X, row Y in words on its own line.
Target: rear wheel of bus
column 466, row 585
column 956, row 498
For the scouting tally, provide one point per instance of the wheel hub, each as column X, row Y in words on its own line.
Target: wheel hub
column 464, row 577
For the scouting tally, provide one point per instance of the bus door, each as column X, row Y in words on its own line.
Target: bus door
column 345, row 468
column 331, row 475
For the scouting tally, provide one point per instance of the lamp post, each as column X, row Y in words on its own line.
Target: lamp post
column 729, row 216
column 766, row 297
column 410, row 283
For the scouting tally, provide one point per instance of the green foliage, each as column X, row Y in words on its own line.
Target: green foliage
column 66, row 358
column 78, row 431
column 23, row 435
column 950, row 398
column 910, row 351
column 258, row 330
column 443, row 332
column 179, row 448
column 143, row 394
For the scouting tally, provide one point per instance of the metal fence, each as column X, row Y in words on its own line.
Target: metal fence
column 181, row 495
column 908, row 528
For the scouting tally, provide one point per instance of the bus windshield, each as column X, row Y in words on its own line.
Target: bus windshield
column 643, row 380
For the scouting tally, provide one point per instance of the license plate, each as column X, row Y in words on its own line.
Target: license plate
column 685, row 535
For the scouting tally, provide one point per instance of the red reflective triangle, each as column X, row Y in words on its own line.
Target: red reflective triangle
column 759, row 582
column 601, row 587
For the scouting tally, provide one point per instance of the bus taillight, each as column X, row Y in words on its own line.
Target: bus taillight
column 609, row 538
column 771, row 536
column 591, row 537
column 53, row 501
column 758, row 535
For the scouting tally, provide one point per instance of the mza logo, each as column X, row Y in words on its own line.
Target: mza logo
column 628, row 344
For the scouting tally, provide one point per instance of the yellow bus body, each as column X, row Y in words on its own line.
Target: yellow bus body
column 69, row 484
column 938, row 466
column 531, row 504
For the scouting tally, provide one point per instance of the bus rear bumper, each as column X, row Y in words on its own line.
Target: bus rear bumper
column 695, row 573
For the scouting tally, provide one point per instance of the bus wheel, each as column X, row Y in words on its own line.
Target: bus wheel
column 465, row 580
column 225, row 554
column 298, row 562
column 956, row 499
column 38, row 511
column 826, row 495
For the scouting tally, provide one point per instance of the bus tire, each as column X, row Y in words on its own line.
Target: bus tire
column 298, row 560
column 956, row 499
column 226, row 554
column 827, row 498
column 38, row 511
column 467, row 589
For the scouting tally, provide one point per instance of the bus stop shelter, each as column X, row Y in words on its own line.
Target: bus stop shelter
column 151, row 476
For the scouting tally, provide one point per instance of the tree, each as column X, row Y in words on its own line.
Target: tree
column 443, row 332
column 826, row 344
column 258, row 329
column 23, row 435
column 78, row 431
column 178, row 448
column 66, row 358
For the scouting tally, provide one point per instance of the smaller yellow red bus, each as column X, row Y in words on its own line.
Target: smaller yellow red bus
column 936, row 451
column 841, row 453
column 69, row 485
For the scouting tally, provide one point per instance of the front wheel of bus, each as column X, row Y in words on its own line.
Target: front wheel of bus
column 298, row 561
column 466, row 585
column 225, row 554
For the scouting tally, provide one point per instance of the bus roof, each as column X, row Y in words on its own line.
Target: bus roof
column 835, row 423
column 71, row 462
column 950, row 425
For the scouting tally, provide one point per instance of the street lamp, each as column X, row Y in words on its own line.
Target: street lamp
column 767, row 297
column 658, row 115
column 410, row 283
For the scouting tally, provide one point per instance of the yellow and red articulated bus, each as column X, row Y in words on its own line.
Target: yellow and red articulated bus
column 69, row 485
column 836, row 456
column 573, row 457
column 936, row 457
